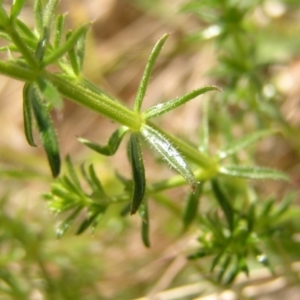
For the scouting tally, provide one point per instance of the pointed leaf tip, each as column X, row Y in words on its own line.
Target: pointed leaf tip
column 141, row 92
column 46, row 130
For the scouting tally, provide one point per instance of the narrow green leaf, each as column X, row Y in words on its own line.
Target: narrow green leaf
column 46, row 130
column 96, row 184
column 42, row 45
column 16, row 8
column 26, row 32
column 72, row 187
column 73, row 56
column 191, row 208
column 138, row 172
column 147, row 73
column 49, row 13
column 68, row 45
column 232, row 274
column 144, row 214
column 87, row 178
column 71, row 171
column 283, row 206
column 89, row 221
column 27, row 115
column 243, row 142
column 266, row 209
column 215, row 261
column 64, row 226
column 253, row 172
column 251, row 217
column 80, row 50
column 4, row 19
column 169, row 153
column 38, row 14
column 223, row 267
column 112, row 145
column 50, row 93
column 59, row 28
column 223, row 202
column 163, row 108
column 204, row 128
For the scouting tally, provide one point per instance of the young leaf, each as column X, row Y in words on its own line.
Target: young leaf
column 72, row 172
column 284, row 205
column 163, row 108
column 46, row 130
column 143, row 211
column 38, row 14
column 91, row 220
column 59, row 27
column 138, row 172
column 49, row 13
column 223, row 267
column 232, row 274
column 95, row 182
column 191, row 208
column 112, row 145
column 243, row 142
column 42, row 45
column 64, row 226
column 27, row 115
column 67, row 46
column 81, row 50
column 253, row 172
column 86, row 223
column 147, row 73
column 73, row 57
column 169, row 153
column 16, row 8
column 26, row 33
column 223, row 202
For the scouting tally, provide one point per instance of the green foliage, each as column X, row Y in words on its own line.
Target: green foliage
column 238, row 224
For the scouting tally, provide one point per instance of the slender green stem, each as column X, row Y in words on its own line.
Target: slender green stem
column 78, row 92
column 163, row 185
column 99, row 102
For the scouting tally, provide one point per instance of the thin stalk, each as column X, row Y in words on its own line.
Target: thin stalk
column 78, row 92
column 99, row 102
column 163, row 185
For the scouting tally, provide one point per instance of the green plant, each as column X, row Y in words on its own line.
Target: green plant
column 231, row 231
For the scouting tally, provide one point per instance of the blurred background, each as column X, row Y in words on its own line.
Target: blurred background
column 112, row 263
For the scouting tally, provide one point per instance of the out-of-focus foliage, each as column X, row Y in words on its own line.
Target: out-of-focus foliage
column 236, row 225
